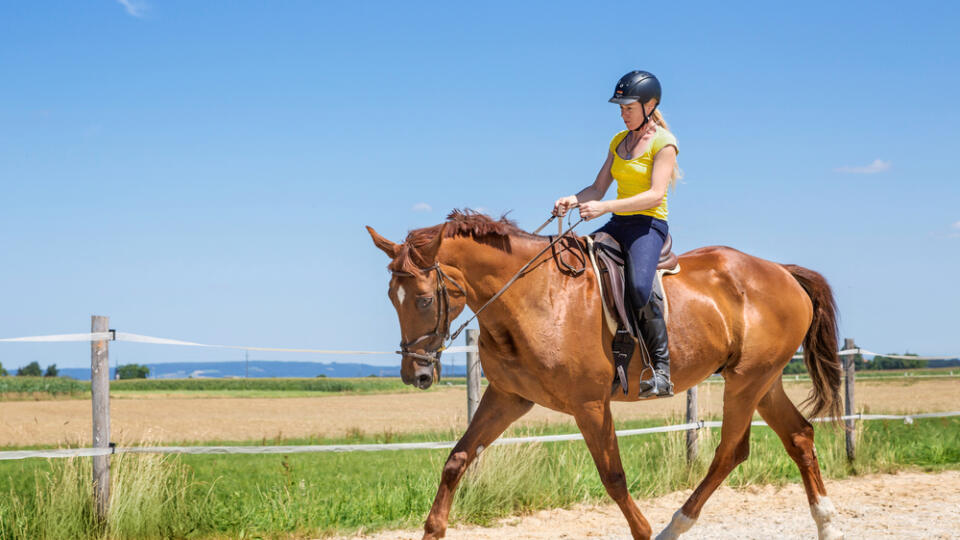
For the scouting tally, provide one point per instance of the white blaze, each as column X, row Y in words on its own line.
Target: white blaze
column 401, row 293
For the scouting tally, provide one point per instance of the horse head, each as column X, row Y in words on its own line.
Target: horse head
column 427, row 296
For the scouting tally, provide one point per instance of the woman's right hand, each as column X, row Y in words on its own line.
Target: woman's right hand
column 564, row 204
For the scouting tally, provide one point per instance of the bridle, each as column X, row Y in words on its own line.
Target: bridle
column 442, row 329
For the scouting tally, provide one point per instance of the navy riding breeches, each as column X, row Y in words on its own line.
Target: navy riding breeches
column 641, row 238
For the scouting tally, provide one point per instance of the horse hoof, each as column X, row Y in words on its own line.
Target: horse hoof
column 678, row 525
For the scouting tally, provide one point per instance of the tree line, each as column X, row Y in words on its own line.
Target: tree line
column 126, row 371
column 878, row 363
column 32, row 370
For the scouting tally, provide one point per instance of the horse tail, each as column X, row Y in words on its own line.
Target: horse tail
column 820, row 344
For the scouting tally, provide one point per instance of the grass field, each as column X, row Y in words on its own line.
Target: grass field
column 39, row 388
column 305, row 495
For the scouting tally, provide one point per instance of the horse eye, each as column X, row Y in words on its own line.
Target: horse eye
column 424, row 302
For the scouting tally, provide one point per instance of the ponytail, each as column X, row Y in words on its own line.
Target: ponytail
column 657, row 117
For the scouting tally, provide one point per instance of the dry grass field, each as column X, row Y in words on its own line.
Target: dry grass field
column 165, row 420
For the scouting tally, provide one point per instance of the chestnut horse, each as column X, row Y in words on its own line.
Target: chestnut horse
column 544, row 341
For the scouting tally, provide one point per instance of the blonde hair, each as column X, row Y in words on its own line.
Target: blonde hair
column 657, row 117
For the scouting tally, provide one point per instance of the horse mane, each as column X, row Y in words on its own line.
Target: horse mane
column 481, row 227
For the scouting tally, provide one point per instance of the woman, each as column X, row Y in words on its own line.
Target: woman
column 643, row 161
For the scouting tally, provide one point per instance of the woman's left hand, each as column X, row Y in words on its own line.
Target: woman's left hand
column 592, row 209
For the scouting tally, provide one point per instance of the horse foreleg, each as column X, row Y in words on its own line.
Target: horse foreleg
column 596, row 423
column 739, row 401
column 797, row 437
column 497, row 410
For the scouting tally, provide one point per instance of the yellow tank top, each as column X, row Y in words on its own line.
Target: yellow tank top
column 633, row 176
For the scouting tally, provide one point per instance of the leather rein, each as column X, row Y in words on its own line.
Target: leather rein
column 442, row 329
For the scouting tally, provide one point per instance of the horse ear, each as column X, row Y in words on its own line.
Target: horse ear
column 388, row 247
column 429, row 251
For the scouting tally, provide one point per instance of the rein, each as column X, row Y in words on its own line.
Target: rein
column 443, row 302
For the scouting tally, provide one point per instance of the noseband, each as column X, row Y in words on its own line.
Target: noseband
column 442, row 330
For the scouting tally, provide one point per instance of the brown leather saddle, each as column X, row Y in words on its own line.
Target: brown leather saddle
column 608, row 259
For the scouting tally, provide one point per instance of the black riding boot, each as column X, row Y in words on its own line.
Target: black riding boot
column 654, row 331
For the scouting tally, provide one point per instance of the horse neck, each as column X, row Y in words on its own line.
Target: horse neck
column 486, row 268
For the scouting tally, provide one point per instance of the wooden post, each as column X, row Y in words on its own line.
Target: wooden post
column 691, row 418
column 848, row 402
column 473, row 375
column 100, row 392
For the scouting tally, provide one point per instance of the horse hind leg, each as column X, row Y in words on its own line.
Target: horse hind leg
column 497, row 410
column 596, row 424
column 797, row 437
column 740, row 399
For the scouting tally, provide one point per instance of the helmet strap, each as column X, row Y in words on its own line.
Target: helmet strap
column 646, row 117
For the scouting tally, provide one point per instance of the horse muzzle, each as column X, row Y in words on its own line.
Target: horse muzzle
column 424, row 369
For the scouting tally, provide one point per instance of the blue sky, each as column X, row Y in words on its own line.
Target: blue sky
column 204, row 170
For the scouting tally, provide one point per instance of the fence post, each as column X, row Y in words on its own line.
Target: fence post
column 100, row 394
column 848, row 401
column 473, row 375
column 691, row 418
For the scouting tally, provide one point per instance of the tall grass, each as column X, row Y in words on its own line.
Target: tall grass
column 310, row 495
column 148, row 499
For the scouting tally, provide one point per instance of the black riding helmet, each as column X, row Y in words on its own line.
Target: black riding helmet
column 639, row 86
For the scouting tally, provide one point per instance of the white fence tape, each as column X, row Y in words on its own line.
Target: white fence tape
column 86, row 452
column 849, row 352
column 99, row 336
column 138, row 338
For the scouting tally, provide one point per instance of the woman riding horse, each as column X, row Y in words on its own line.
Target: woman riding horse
column 643, row 161
column 544, row 338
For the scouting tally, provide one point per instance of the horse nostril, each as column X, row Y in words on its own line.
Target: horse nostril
column 423, row 380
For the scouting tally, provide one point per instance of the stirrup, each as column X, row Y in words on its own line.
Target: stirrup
column 659, row 385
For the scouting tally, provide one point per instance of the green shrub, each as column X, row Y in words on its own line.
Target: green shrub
column 30, row 370
column 132, row 371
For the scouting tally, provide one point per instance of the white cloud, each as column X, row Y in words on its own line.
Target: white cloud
column 877, row 166
column 956, row 225
column 135, row 8
column 421, row 207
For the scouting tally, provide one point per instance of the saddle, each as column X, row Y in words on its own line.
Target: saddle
column 607, row 259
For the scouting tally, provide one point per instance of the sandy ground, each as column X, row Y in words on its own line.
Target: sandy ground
column 183, row 419
column 905, row 505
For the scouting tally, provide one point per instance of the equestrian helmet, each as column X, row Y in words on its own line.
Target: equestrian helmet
column 639, row 86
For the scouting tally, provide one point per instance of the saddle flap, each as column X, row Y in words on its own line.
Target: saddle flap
column 610, row 259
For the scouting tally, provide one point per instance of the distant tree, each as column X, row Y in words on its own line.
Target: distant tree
column 322, row 376
column 885, row 362
column 30, row 370
column 3, row 372
column 52, row 371
column 132, row 371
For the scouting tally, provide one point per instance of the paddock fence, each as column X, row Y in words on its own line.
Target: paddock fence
column 100, row 336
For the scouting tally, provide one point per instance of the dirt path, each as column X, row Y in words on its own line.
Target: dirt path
column 184, row 419
column 906, row 505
